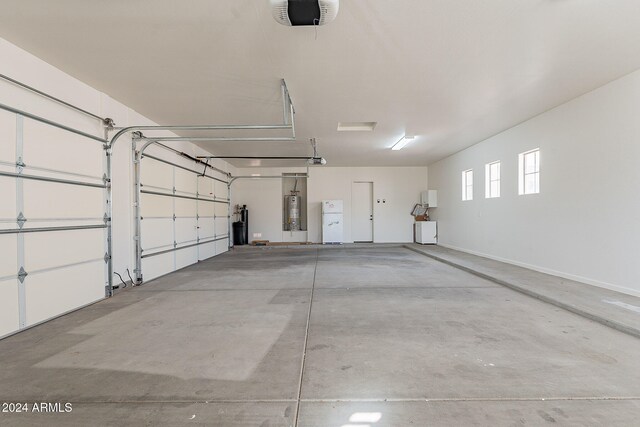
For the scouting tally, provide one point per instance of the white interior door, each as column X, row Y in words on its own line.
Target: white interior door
column 362, row 211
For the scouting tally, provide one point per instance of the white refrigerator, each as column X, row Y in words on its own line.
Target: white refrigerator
column 332, row 221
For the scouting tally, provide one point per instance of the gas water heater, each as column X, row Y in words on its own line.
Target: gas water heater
column 292, row 204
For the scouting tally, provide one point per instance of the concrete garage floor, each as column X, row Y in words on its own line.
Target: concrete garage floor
column 370, row 336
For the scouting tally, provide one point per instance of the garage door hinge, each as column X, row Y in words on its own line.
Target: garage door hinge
column 22, row 274
column 106, row 258
column 21, row 220
column 174, row 190
column 175, row 244
column 105, row 179
column 105, row 218
column 174, row 217
column 20, row 165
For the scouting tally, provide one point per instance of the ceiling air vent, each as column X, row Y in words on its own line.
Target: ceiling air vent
column 304, row 12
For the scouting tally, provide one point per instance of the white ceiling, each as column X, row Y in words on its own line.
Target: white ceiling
column 451, row 72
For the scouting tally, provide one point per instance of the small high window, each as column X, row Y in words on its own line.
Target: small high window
column 492, row 179
column 529, row 172
column 467, row 185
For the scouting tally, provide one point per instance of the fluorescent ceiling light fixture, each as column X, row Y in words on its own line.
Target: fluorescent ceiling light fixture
column 356, row 126
column 403, row 141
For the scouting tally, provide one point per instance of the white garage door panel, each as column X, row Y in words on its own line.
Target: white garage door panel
column 153, row 206
column 206, row 229
column 186, row 230
column 51, row 293
column 157, row 266
column 222, row 226
column 52, row 200
column 222, row 246
column 53, row 148
column 9, row 316
column 47, row 250
column 221, row 190
column 207, row 250
column 222, row 209
column 186, row 207
column 185, row 257
column 205, row 186
column 206, row 209
column 156, row 233
column 65, row 268
column 8, row 257
column 194, row 219
column 8, row 202
column 157, row 174
column 186, row 181
column 7, row 137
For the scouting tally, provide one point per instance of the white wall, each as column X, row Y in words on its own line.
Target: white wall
column 399, row 186
column 585, row 223
column 32, row 71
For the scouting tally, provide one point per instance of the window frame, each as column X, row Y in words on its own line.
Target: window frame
column 523, row 174
column 467, row 185
column 489, row 179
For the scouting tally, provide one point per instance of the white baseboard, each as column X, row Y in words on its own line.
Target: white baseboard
column 564, row 275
